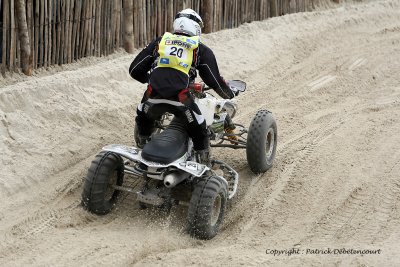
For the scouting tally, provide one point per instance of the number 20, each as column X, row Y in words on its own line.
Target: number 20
column 176, row 52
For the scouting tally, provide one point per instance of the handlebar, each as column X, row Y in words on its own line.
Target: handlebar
column 235, row 85
column 198, row 87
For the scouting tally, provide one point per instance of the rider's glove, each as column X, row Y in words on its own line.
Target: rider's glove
column 234, row 90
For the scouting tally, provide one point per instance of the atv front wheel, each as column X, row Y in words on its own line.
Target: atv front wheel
column 106, row 170
column 262, row 138
column 207, row 207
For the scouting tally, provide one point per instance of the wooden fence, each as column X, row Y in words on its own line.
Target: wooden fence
column 41, row 33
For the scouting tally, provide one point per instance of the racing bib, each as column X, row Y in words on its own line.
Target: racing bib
column 176, row 51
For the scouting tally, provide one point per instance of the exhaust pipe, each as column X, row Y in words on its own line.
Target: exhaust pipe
column 174, row 178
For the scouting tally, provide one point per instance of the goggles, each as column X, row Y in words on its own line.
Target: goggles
column 190, row 16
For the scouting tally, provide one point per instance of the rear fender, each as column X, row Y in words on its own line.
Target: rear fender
column 134, row 154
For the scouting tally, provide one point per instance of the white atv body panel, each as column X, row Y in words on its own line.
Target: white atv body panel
column 133, row 153
column 209, row 106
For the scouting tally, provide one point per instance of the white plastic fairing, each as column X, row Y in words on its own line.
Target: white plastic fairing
column 207, row 107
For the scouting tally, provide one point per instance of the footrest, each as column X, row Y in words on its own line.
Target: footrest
column 230, row 176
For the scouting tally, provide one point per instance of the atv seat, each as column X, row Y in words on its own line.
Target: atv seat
column 167, row 146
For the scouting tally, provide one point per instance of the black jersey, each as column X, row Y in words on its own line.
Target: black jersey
column 168, row 82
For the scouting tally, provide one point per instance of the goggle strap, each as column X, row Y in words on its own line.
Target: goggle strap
column 190, row 16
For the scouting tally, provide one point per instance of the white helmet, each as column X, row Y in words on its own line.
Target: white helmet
column 188, row 22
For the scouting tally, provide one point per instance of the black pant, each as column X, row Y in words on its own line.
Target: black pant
column 152, row 107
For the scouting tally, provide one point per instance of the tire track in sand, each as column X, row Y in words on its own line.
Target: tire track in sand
column 289, row 161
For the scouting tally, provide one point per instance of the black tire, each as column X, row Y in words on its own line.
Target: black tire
column 98, row 196
column 262, row 139
column 207, row 207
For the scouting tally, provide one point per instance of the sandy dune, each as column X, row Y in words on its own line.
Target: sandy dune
column 331, row 79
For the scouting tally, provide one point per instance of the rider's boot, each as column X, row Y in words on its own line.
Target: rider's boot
column 203, row 156
column 143, row 139
column 231, row 136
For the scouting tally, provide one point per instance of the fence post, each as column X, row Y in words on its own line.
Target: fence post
column 129, row 44
column 5, row 36
column 24, row 38
column 206, row 11
column 273, row 7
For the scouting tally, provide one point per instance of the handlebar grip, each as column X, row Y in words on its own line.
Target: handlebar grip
column 198, row 87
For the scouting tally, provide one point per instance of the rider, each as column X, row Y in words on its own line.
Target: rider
column 172, row 60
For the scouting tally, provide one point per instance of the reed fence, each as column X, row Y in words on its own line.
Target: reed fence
column 41, row 33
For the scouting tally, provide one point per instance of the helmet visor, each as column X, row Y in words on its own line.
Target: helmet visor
column 190, row 16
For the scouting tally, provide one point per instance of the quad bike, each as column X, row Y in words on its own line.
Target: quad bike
column 166, row 170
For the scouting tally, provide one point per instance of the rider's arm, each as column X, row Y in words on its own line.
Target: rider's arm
column 143, row 61
column 209, row 72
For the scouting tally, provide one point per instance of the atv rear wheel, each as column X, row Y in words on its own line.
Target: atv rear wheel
column 106, row 170
column 262, row 138
column 207, row 207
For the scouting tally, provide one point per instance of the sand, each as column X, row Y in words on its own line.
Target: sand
column 331, row 79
